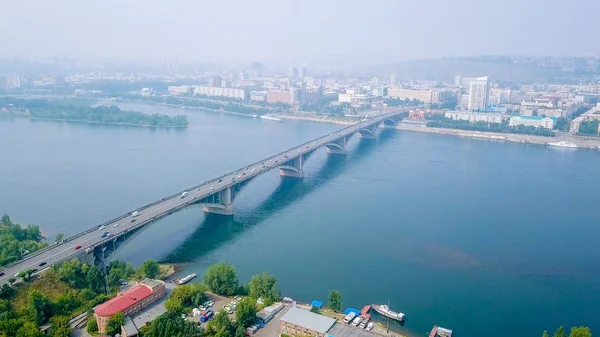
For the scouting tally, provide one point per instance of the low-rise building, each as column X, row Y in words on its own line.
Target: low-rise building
column 146, row 292
column 300, row 322
column 416, row 114
column 475, row 117
column 258, row 96
column 180, row 89
column 426, row 96
column 535, row 121
column 590, row 115
column 220, row 92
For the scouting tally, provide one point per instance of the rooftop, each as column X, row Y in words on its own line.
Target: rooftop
column 123, row 301
column 537, row 118
column 309, row 320
column 342, row 330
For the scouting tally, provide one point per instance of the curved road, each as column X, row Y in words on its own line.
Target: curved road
column 95, row 236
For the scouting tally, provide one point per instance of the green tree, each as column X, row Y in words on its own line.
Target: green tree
column 335, row 300
column 222, row 279
column 560, row 332
column 315, row 310
column 545, row 333
column 113, row 326
column 60, row 326
column 94, row 280
column 39, row 306
column 92, row 326
column 59, row 237
column 264, row 286
column 580, row 331
column 12, row 280
column 117, row 271
column 220, row 326
column 186, row 296
column 171, row 324
column 245, row 313
column 150, row 269
column 29, row 329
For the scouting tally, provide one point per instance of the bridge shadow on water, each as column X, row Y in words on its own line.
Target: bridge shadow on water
column 215, row 230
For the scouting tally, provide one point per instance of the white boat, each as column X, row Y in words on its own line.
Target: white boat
column 185, row 279
column 563, row 143
column 384, row 310
column 271, row 118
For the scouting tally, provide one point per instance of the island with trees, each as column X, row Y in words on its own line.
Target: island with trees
column 83, row 111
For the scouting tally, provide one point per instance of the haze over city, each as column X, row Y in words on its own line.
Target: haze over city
column 305, row 31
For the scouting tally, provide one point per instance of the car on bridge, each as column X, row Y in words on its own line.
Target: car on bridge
column 105, row 234
column 43, row 264
column 77, row 247
column 132, row 220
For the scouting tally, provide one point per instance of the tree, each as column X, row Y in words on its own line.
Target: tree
column 245, row 313
column 94, row 280
column 171, row 324
column 60, row 326
column 580, row 331
column 560, row 332
column 113, row 326
column 92, row 326
column 59, row 237
column 220, row 326
column 40, row 307
column 264, row 286
column 222, row 279
column 150, row 269
column 335, row 300
column 117, row 271
column 12, row 280
column 545, row 333
column 29, row 329
column 315, row 310
column 188, row 295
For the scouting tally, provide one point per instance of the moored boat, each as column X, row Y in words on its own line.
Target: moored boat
column 184, row 280
column 563, row 143
column 384, row 310
column 365, row 309
column 440, row 332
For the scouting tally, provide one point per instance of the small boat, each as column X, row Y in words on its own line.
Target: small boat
column 271, row 118
column 365, row 309
column 183, row 280
column 563, row 143
column 440, row 332
column 384, row 310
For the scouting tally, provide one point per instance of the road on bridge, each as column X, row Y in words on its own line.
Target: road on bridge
column 78, row 244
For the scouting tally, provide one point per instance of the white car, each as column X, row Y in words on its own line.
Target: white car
column 101, row 228
column 212, row 188
column 116, row 225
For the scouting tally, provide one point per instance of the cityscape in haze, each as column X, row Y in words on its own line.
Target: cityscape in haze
column 387, row 169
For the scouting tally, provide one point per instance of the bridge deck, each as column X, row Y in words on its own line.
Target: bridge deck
column 149, row 213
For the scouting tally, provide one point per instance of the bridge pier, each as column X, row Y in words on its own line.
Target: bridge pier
column 221, row 203
column 338, row 146
column 292, row 168
column 368, row 132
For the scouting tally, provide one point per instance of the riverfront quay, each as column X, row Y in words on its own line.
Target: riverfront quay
column 461, row 233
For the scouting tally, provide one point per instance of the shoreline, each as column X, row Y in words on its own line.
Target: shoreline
column 92, row 122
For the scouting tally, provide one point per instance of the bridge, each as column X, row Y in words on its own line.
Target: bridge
column 215, row 196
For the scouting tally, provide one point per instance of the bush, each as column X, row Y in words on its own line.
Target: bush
column 92, row 326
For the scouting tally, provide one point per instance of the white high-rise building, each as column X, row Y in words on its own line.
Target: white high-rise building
column 478, row 93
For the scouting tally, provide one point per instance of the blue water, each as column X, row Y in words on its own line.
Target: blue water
column 473, row 235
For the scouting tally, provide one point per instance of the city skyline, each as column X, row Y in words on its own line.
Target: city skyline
column 308, row 32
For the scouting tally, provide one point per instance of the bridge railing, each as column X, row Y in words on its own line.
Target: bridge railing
column 71, row 238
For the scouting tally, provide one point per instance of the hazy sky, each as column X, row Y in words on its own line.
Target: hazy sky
column 301, row 30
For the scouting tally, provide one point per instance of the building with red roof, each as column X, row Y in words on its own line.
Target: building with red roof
column 146, row 292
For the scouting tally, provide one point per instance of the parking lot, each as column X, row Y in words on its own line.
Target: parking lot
column 272, row 328
column 220, row 302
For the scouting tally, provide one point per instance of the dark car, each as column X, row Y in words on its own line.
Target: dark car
column 42, row 264
column 219, row 180
column 1, row 273
column 132, row 220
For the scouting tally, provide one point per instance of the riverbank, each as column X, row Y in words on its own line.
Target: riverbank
column 320, row 119
column 583, row 142
column 185, row 107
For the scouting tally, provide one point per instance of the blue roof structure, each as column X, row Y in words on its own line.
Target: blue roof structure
column 318, row 304
column 349, row 310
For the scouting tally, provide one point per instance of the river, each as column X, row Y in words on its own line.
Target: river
column 474, row 235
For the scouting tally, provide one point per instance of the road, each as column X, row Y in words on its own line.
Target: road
column 147, row 214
